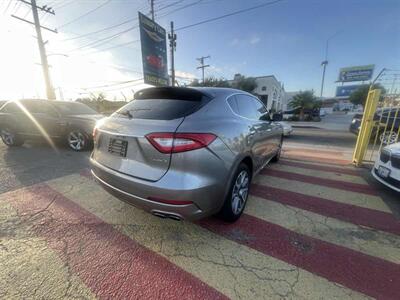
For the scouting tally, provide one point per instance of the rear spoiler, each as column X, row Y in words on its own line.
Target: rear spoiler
column 178, row 93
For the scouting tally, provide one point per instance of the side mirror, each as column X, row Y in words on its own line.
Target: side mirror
column 265, row 117
column 277, row 117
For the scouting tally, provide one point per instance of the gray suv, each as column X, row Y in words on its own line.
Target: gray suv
column 185, row 153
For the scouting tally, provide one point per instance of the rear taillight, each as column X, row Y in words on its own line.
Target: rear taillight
column 166, row 142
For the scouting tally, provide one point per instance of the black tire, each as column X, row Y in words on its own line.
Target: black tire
column 10, row 137
column 77, row 140
column 277, row 156
column 229, row 212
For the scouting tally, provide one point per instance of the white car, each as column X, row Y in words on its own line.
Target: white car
column 387, row 167
column 287, row 128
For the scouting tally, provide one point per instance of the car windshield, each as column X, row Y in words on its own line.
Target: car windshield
column 74, row 108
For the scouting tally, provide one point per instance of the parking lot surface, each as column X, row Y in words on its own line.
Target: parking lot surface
column 314, row 227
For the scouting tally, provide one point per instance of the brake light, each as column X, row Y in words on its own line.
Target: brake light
column 166, row 142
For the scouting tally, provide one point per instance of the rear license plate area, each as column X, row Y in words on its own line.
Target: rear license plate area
column 118, row 147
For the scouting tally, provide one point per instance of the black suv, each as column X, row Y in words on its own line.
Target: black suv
column 381, row 117
column 71, row 122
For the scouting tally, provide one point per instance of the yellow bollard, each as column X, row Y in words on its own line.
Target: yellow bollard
column 367, row 124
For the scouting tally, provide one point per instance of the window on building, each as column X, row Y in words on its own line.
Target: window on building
column 264, row 88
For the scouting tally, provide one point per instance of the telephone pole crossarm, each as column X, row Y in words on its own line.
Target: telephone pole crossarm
column 202, row 65
column 42, row 50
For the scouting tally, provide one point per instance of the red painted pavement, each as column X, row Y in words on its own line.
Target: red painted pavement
column 337, row 184
column 319, row 167
column 112, row 265
column 369, row 275
column 341, row 211
column 323, row 160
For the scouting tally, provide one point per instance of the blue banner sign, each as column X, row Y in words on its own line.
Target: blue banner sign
column 358, row 73
column 154, row 52
column 346, row 90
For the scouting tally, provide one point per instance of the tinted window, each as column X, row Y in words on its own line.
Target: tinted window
column 73, row 108
column 157, row 109
column 11, row 108
column 247, row 106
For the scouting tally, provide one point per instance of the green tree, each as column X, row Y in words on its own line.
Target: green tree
column 211, row 82
column 304, row 100
column 247, row 84
column 360, row 95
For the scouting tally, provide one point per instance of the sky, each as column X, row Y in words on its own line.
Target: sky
column 286, row 39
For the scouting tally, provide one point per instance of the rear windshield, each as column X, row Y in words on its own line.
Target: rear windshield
column 74, row 108
column 158, row 109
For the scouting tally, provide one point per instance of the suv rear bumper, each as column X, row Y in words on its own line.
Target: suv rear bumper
column 207, row 197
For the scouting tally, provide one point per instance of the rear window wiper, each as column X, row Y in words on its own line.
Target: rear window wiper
column 125, row 113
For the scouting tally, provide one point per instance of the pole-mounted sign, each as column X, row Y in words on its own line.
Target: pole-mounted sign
column 358, row 73
column 154, row 52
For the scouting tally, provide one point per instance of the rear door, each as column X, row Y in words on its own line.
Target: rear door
column 260, row 135
column 121, row 142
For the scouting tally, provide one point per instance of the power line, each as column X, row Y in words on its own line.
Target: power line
column 85, row 14
column 229, row 15
column 105, row 40
column 120, row 24
column 132, row 41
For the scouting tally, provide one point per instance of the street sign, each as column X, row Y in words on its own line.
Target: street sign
column 358, row 73
column 346, row 90
column 154, row 52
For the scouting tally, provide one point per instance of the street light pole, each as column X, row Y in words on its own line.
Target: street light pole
column 325, row 62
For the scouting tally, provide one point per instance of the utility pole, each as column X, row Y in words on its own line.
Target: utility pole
column 172, row 47
column 324, row 63
column 152, row 9
column 202, row 65
column 43, row 57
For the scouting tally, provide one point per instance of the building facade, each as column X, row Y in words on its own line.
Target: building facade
column 269, row 90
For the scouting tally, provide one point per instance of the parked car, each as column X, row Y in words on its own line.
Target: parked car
column 287, row 128
column 387, row 167
column 186, row 153
column 381, row 117
column 71, row 122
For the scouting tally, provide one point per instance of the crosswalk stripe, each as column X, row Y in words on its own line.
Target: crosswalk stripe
column 109, row 263
column 320, row 167
column 233, row 269
column 333, row 161
column 323, row 192
column 337, row 184
column 317, row 173
column 369, row 275
column 342, row 211
column 368, row 241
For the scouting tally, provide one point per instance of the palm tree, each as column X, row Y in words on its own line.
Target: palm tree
column 304, row 100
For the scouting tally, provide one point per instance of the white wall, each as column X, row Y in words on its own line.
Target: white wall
column 269, row 87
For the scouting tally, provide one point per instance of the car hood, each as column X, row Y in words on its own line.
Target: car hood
column 394, row 148
column 94, row 118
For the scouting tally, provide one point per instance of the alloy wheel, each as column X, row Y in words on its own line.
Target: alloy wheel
column 388, row 138
column 7, row 136
column 76, row 140
column 240, row 192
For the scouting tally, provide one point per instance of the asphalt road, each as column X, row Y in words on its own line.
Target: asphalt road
column 36, row 162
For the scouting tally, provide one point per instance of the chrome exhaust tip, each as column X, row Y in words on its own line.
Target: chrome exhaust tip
column 166, row 216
